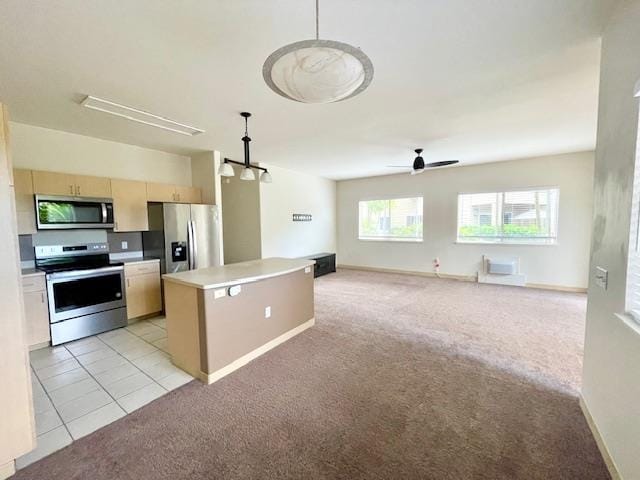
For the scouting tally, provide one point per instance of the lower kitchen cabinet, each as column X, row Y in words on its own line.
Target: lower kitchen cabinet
column 36, row 310
column 143, row 290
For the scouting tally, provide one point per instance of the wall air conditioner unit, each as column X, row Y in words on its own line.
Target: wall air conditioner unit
column 501, row 271
column 502, row 267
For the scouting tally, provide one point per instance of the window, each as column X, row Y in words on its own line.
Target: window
column 523, row 216
column 633, row 265
column 398, row 219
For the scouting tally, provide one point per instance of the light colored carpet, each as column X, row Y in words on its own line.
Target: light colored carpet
column 402, row 377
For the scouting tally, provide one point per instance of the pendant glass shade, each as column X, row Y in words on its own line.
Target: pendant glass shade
column 318, row 71
column 247, row 174
column 226, row 170
column 266, row 177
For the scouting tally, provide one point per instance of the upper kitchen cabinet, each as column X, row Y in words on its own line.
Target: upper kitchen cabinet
column 25, row 209
column 164, row 192
column 188, row 194
column 161, row 192
column 54, row 183
column 88, row 186
column 129, row 205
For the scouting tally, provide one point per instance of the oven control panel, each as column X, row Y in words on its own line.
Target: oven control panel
column 48, row 251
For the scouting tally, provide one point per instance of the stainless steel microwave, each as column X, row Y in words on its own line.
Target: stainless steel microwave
column 58, row 212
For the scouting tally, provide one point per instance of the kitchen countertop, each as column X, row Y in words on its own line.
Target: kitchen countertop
column 31, row 272
column 238, row 273
column 136, row 260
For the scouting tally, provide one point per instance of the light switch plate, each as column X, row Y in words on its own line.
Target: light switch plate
column 124, row 245
column 307, row 269
column 602, row 277
column 267, row 312
column 219, row 293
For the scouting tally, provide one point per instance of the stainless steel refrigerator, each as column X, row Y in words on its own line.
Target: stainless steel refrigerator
column 182, row 236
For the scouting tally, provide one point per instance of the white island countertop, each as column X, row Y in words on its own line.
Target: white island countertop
column 238, row 273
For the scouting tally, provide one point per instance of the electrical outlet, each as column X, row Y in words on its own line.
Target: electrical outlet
column 267, row 312
column 602, row 277
column 124, row 245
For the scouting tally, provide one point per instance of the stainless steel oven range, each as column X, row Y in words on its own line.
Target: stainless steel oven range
column 86, row 291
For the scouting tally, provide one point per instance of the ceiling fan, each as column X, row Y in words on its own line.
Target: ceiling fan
column 419, row 166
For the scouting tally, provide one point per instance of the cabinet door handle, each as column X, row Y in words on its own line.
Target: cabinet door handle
column 42, row 297
column 178, row 196
column 71, row 189
column 78, row 189
column 128, row 285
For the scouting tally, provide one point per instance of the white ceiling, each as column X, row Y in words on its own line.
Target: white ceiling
column 479, row 81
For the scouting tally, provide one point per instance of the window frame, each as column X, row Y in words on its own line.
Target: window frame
column 510, row 241
column 390, row 239
column 633, row 253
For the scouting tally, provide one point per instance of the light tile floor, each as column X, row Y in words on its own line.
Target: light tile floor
column 81, row 386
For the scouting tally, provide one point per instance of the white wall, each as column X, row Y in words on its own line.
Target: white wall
column 564, row 264
column 294, row 192
column 45, row 149
column 611, row 377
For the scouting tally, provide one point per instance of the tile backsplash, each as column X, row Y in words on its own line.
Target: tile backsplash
column 133, row 239
column 70, row 237
column 26, row 248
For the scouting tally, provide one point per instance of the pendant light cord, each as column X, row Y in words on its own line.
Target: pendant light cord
column 317, row 21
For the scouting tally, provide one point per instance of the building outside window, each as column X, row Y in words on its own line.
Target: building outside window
column 395, row 219
column 523, row 216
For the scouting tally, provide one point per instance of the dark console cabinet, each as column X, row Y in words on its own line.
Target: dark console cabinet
column 325, row 263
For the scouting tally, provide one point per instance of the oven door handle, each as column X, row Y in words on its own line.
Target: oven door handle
column 104, row 212
column 85, row 273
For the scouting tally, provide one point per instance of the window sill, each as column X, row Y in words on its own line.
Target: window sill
column 630, row 321
column 509, row 244
column 393, row 240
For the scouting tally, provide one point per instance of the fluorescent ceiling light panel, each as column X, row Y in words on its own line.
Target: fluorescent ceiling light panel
column 139, row 116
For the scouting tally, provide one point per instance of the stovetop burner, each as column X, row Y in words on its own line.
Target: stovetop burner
column 52, row 259
column 69, row 266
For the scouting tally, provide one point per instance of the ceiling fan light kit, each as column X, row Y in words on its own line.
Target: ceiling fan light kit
column 226, row 168
column 318, row 71
column 419, row 166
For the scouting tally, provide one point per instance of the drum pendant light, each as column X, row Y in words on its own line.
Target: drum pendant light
column 318, row 71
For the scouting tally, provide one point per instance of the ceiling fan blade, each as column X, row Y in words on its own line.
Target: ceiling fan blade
column 443, row 163
column 398, row 166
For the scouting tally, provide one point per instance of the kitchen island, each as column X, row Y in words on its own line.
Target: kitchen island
column 220, row 318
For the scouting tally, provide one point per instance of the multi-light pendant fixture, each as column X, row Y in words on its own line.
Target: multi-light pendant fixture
column 318, row 71
column 226, row 170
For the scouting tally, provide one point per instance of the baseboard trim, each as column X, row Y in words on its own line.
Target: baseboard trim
column 558, row 288
column 131, row 321
column 604, row 451
column 242, row 361
column 462, row 278
column 38, row 346
column 7, row 469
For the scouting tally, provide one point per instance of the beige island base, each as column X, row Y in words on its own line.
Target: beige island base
column 220, row 318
